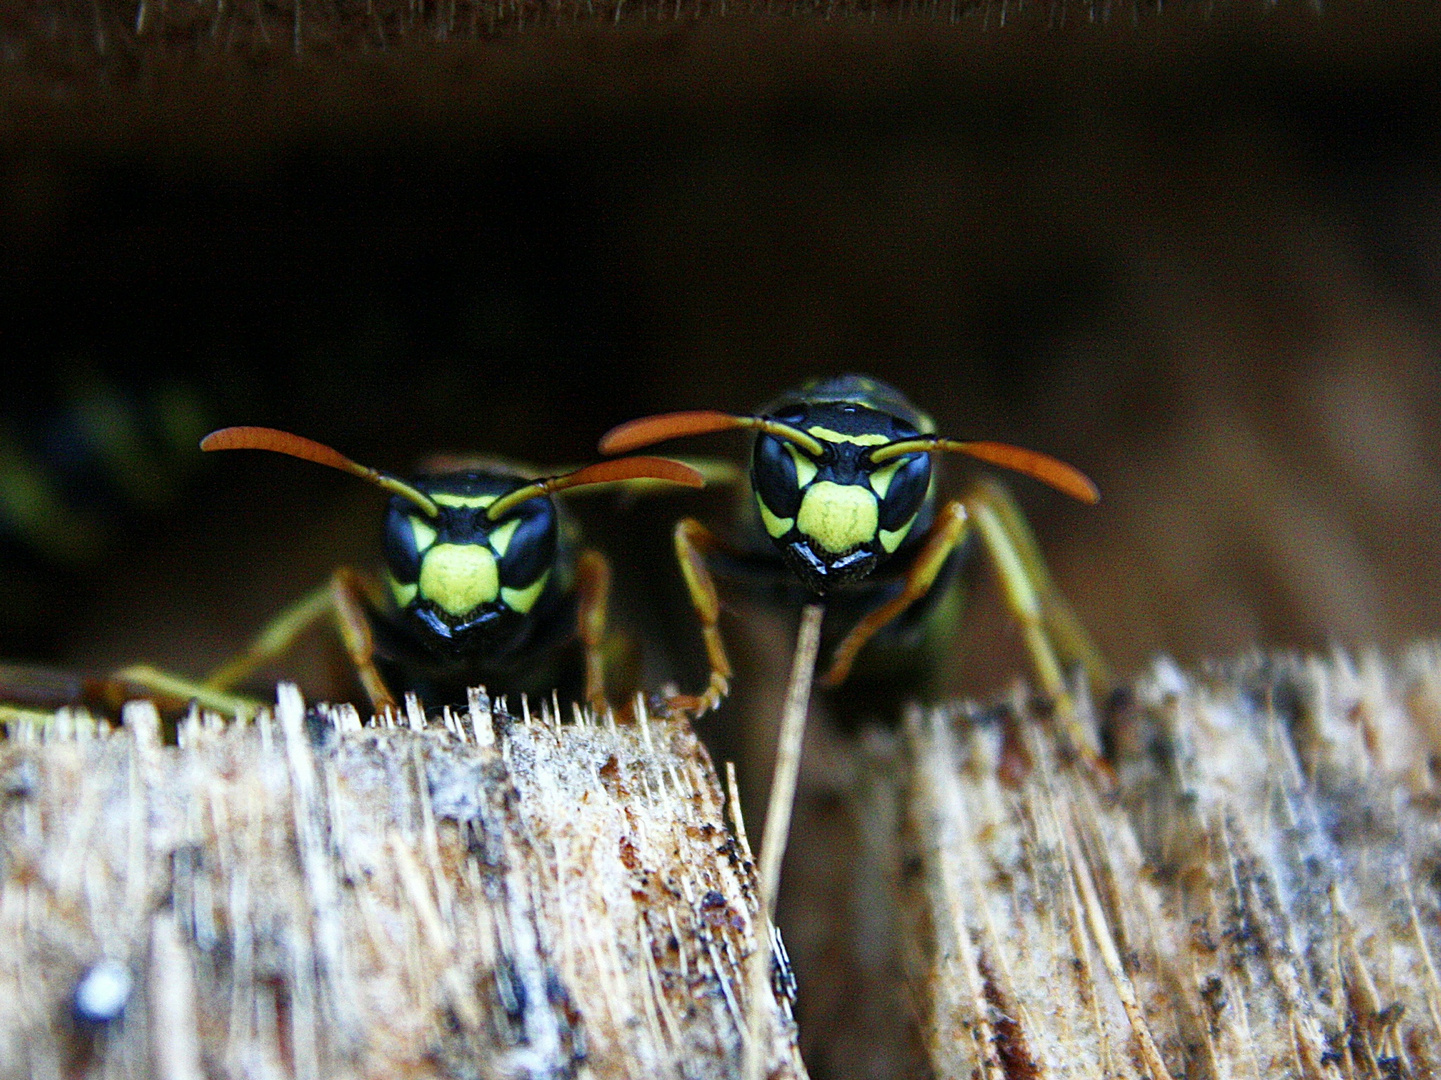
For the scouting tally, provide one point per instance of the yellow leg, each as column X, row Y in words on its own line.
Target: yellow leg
column 344, row 597
column 12, row 716
column 692, row 541
column 347, row 598
column 1054, row 636
column 948, row 530
column 592, row 588
column 273, row 641
column 173, row 688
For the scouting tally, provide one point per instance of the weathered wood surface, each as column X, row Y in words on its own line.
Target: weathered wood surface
column 1258, row 896
column 301, row 896
column 1255, row 893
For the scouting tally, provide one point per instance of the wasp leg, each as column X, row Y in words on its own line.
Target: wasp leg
column 273, row 641
column 344, row 597
column 948, row 530
column 33, row 692
column 1054, row 635
column 12, row 716
column 170, row 688
column 348, row 602
column 692, row 541
column 592, row 590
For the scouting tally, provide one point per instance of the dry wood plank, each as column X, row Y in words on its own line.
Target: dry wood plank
column 487, row 896
column 1258, row 895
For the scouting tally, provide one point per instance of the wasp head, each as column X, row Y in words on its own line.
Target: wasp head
column 833, row 513
column 458, row 574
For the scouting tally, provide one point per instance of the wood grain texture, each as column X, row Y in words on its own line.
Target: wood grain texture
column 1254, row 893
column 485, row 896
column 1257, row 897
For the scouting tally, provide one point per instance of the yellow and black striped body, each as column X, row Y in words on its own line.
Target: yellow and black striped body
column 844, row 508
column 837, row 526
column 481, row 582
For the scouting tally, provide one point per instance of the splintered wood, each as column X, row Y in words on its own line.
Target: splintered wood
column 1255, row 893
column 1258, row 896
column 300, row 896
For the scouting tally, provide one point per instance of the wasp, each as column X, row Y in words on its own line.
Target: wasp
column 845, row 507
column 482, row 580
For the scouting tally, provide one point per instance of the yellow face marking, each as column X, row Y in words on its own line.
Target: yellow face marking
column 500, row 538
column 479, row 501
column 776, row 526
column 882, row 477
column 839, row 517
column 403, row 593
column 423, row 532
column 459, row 577
column 836, row 436
column 891, row 538
column 522, row 600
column 805, row 467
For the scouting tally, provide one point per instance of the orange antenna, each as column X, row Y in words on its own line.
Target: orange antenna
column 282, row 442
column 1064, row 478
column 603, row 472
column 649, row 430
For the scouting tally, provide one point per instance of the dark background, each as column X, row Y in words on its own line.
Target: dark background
column 1195, row 252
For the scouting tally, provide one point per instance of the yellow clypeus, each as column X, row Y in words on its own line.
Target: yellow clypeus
column 458, row 578
column 839, row 517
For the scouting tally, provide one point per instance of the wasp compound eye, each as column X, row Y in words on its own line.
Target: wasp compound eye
column 407, row 536
column 901, row 486
column 526, row 543
column 778, row 476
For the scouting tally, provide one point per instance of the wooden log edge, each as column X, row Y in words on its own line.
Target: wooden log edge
column 483, row 895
